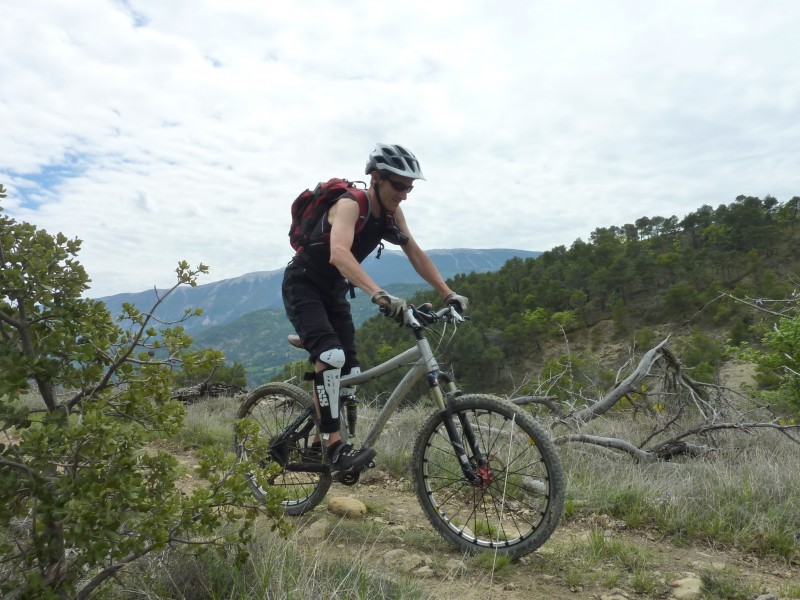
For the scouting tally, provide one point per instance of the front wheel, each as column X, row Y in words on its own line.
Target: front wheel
column 287, row 424
column 515, row 503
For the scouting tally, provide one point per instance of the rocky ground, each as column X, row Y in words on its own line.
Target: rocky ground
column 394, row 531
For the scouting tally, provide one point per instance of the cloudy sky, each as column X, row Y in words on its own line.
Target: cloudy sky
column 163, row 130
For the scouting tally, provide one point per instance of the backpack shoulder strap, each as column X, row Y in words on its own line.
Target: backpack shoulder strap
column 364, row 209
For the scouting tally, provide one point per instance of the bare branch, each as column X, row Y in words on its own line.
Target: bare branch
column 547, row 401
column 670, row 450
column 127, row 352
column 660, row 430
column 681, row 409
column 110, row 571
column 606, row 442
column 21, row 467
column 11, row 321
column 744, row 427
column 628, row 386
column 758, row 303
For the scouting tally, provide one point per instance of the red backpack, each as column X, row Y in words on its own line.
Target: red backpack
column 309, row 206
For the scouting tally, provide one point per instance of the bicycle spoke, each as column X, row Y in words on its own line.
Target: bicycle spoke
column 278, row 411
column 512, row 506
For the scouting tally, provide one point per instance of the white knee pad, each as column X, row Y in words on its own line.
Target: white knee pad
column 326, row 383
column 333, row 357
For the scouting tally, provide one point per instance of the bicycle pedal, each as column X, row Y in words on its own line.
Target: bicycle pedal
column 347, row 477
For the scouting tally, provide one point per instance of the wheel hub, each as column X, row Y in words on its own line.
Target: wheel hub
column 486, row 475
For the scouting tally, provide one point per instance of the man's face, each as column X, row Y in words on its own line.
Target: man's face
column 394, row 189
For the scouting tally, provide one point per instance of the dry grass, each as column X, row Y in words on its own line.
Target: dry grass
column 276, row 568
column 396, row 444
column 208, row 424
column 740, row 497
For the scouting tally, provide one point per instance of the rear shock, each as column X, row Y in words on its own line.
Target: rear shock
column 350, row 404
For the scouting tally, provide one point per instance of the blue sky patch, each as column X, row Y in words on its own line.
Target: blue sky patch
column 31, row 187
column 139, row 20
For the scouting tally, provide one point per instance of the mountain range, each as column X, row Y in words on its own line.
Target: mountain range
column 244, row 317
column 226, row 300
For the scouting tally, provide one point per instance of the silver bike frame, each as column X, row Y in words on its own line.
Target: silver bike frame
column 423, row 361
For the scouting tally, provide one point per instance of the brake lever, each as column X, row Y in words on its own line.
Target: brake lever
column 454, row 315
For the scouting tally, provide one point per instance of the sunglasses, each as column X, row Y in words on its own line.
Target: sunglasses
column 398, row 186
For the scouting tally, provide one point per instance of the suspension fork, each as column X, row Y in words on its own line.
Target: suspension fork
column 438, row 379
column 437, row 382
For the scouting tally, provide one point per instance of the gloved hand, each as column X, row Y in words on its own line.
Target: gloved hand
column 461, row 303
column 394, row 307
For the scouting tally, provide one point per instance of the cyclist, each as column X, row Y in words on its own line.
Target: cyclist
column 317, row 280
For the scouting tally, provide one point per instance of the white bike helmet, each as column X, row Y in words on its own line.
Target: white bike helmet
column 392, row 158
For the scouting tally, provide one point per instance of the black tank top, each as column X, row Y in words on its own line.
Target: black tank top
column 317, row 255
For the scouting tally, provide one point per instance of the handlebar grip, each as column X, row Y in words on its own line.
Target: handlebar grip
column 456, row 305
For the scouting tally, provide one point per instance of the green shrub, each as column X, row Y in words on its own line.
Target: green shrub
column 80, row 459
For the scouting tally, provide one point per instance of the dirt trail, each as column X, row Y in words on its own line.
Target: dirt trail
column 399, row 529
column 397, row 517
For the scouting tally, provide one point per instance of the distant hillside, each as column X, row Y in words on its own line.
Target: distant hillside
column 225, row 301
column 222, row 301
column 257, row 339
column 244, row 316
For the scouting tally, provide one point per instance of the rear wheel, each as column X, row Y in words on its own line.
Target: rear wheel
column 519, row 498
column 287, row 424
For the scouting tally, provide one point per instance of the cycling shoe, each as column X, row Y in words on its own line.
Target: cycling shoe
column 344, row 457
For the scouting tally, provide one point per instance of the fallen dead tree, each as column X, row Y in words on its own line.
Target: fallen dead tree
column 683, row 415
column 205, row 389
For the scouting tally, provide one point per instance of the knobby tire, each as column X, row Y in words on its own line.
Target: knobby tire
column 275, row 406
column 520, row 499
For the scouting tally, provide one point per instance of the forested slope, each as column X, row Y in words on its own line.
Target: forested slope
column 658, row 271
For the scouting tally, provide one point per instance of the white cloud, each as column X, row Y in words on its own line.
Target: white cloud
column 158, row 131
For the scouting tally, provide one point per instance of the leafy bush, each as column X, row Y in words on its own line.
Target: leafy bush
column 82, row 492
column 779, row 361
column 703, row 355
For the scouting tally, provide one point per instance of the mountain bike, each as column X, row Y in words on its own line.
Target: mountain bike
column 487, row 475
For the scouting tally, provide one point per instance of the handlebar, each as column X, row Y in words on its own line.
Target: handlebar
column 423, row 315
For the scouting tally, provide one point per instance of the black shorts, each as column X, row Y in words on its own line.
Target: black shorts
column 319, row 312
